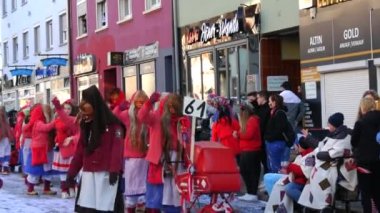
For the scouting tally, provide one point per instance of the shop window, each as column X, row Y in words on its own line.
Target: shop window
column 125, row 9
column 37, row 87
column 101, row 13
column 130, row 80
column 147, row 74
column 5, row 8
column 202, row 75
column 140, row 76
column 82, row 17
column 15, row 50
column 6, row 53
column 233, row 71
column 37, row 36
column 152, row 4
column 222, row 75
column 66, row 82
column 25, row 44
column 49, row 35
column 63, row 32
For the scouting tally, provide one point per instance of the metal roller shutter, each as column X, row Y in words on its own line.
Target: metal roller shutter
column 342, row 92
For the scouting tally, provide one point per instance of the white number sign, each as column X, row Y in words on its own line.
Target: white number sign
column 195, row 108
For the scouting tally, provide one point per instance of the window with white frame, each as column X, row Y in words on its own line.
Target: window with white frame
column 49, row 35
column 15, row 49
column 14, row 5
column 152, row 4
column 63, row 33
column 4, row 8
column 101, row 13
column 5, row 53
column 82, row 17
column 125, row 9
column 25, row 44
column 37, row 36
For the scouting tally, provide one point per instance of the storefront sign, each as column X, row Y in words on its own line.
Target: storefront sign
column 352, row 36
column 310, row 74
column 141, row 53
column 224, row 27
column 84, row 63
column 274, row 82
column 376, row 32
column 311, row 90
column 325, row 3
column 316, row 43
column 47, row 72
column 219, row 29
column 115, row 59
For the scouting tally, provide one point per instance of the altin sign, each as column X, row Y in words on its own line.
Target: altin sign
column 325, row 3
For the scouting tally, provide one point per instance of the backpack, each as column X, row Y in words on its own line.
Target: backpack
column 288, row 134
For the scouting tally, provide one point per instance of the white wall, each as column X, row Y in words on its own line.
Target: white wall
column 279, row 14
column 25, row 18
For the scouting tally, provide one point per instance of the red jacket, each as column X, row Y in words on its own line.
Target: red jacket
column 299, row 177
column 107, row 157
column 222, row 132
column 250, row 140
column 129, row 151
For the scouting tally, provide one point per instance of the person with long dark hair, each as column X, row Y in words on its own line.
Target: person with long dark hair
column 274, row 135
column 99, row 154
column 5, row 137
column 135, row 148
column 250, row 147
column 165, row 155
column 225, row 129
column 367, row 153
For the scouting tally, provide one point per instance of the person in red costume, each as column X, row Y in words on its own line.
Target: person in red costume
column 250, row 147
column 167, row 127
column 99, row 154
column 65, row 143
column 5, row 146
column 135, row 148
column 40, row 157
column 116, row 98
column 225, row 129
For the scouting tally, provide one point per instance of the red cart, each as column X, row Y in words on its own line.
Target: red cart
column 214, row 172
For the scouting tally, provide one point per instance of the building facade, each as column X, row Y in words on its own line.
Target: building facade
column 234, row 47
column 124, row 43
column 35, row 50
column 340, row 45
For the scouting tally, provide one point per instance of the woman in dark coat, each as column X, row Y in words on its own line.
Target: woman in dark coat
column 100, row 154
column 367, row 153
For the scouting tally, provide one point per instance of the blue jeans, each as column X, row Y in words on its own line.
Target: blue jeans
column 276, row 152
column 294, row 190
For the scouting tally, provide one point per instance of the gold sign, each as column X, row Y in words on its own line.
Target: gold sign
column 325, row 3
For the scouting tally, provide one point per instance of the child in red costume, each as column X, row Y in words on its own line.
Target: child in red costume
column 135, row 148
column 225, row 129
column 40, row 158
column 65, row 143
column 165, row 150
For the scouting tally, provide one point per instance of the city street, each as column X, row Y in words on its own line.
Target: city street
column 14, row 200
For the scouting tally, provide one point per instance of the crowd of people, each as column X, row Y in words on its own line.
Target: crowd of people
column 120, row 154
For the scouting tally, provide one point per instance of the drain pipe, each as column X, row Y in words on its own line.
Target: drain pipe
column 177, row 73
